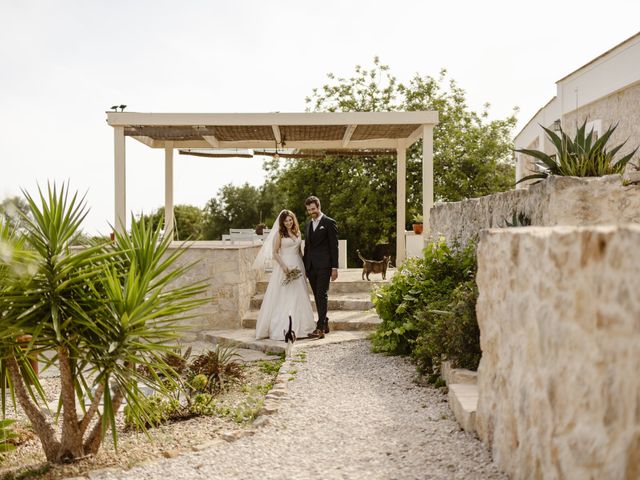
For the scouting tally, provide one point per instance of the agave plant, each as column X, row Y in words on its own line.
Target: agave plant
column 102, row 310
column 518, row 220
column 582, row 156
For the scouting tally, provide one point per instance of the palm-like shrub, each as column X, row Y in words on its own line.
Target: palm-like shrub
column 582, row 156
column 103, row 311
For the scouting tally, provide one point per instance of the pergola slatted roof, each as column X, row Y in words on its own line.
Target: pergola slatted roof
column 320, row 131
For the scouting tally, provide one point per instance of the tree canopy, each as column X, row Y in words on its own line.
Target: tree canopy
column 472, row 155
column 242, row 206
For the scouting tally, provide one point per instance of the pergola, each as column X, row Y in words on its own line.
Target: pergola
column 345, row 131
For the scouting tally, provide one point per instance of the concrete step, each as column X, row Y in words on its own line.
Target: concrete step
column 347, row 301
column 245, row 338
column 339, row 320
column 463, row 400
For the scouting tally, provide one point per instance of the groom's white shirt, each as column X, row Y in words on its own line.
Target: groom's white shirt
column 316, row 221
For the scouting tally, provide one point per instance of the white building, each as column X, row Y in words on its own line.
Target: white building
column 605, row 91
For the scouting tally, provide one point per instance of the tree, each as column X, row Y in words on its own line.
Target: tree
column 102, row 311
column 11, row 209
column 240, row 207
column 188, row 221
column 472, row 155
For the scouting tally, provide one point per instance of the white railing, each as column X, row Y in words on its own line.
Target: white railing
column 244, row 235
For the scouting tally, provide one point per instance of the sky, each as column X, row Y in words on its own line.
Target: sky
column 64, row 63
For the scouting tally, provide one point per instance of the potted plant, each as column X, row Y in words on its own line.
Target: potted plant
column 417, row 224
column 260, row 229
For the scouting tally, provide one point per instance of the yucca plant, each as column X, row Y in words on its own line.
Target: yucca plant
column 103, row 310
column 582, row 156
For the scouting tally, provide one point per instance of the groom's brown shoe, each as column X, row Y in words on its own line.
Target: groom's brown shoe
column 317, row 333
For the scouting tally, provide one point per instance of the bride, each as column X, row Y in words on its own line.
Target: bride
column 284, row 298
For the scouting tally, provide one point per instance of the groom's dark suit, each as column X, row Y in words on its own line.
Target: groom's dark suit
column 320, row 256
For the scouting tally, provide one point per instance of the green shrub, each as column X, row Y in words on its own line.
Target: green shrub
column 203, row 404
column 154, row 409
column 7, row 436
column 421, row 284
column 450, row 335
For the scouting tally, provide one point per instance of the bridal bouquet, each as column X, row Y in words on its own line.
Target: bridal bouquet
column 293, row 274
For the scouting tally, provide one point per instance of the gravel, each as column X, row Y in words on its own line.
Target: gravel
column 348, row 414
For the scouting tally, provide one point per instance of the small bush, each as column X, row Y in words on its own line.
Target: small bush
column 7, row 436
column 219, row 366
column 155, row 410
column 450, row 335
column 421, row 284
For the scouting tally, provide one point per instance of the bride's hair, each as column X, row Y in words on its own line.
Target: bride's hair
column 283, row 230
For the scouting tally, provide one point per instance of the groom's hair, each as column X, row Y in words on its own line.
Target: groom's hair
column 312, row 199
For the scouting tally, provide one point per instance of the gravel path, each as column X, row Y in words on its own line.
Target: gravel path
column 349, row 414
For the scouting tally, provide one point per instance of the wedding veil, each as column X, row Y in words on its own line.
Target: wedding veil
column 265, row 255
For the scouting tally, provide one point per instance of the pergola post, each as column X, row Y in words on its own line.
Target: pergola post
column 168, row 188
column 427, row 176
column 120, row 199
column 401, row 201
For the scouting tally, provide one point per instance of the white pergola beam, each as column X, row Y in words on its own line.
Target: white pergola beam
column 120, row 170
column 401, row 202
column 168, row 189
column 148, row 141
column 415, row 136
column 427, row 176
column 269, row 119
column 212, row 141
column 276, row 134
column 347, row 135
column 300, row 144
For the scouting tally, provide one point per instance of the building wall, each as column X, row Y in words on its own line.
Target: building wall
column 622, row 107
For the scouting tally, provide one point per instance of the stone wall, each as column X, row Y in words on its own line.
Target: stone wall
column 555, row 201
column 559, row 316
column 231, row 282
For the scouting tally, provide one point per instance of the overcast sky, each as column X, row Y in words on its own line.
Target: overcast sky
column 63, row 63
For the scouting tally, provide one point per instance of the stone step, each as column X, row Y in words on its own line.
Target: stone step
column 463, row 400
column 338, row 287
column 339, row 320
column 348, row 301
column 457, row 375
column 245, row 338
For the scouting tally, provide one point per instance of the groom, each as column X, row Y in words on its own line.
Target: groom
column 320, row 259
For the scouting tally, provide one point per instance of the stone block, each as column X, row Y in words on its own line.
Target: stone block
column 559, row 317
column 463, row 400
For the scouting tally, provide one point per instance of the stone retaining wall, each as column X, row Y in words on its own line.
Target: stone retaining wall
column 559, row 316
column 231, row 282
column 556, row 201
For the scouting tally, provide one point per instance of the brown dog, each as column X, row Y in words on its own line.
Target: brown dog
column 374, row 266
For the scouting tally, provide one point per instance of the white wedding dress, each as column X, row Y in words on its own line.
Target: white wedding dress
column 280, row 301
